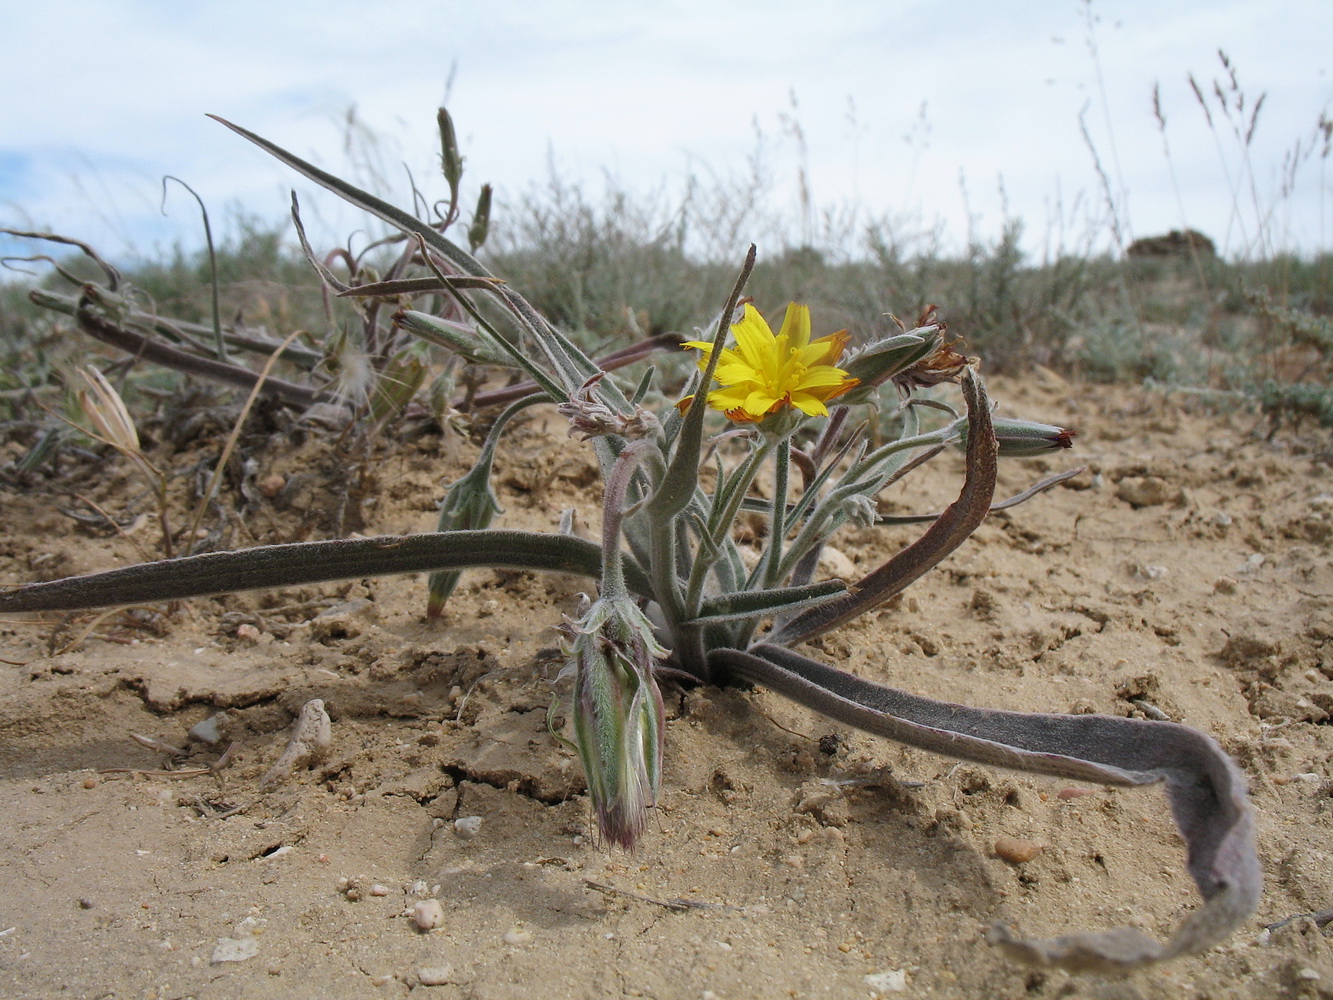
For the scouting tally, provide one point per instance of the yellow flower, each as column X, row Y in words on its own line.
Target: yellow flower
column 765, row 374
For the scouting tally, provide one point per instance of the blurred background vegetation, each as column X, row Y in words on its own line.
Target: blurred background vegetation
column 613, row 267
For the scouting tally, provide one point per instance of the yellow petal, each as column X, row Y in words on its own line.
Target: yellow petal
column 821, row 375
column 729, row 397
column 795, row 333
column 754, row 339
column 730, row 374
column 809, row 405
column 831, row 346
column 761, row 401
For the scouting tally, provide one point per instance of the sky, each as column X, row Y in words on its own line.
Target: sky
column 942, row 118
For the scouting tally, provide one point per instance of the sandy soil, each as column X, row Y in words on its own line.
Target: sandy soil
column 788, row 858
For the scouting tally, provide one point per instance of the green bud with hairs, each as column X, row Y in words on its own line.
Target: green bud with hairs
column 1025, row 438
column 618, row 715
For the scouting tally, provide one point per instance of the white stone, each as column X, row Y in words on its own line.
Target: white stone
column 435, row 975
column 467, row 827
column 837, row 564
column 428, row 914
column 234, row 949
column 888, row 981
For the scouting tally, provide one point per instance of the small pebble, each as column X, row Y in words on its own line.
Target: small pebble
column 248, row 632
column 86, row 904
column 1252, row 562
column 1224, row 585
column 888, row 981
column 89, row 782
column 1015, row 850
column 435, row 975
column 467, row 827
column 271, row 485
column 1146, row 491
column 517, row 936
column 428, row 914
column 235, row 950
column 210, row 730
column 1308, row 974
column 379, row 890
column 488, row 608
column 837, row 563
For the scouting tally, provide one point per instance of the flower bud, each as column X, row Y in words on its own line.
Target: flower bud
column 1025, row 438
column 860, row 510
column 481, row 220
column 618, row 715
column 876, row 363
column 457, row 337
column 451, row 160
column 470, row 504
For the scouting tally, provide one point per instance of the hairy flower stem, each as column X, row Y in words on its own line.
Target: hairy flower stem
column 777, row 526
column 687, row 644
column 613, row 515
column 726, row 504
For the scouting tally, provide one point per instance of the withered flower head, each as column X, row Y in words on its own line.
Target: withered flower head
column 589, row 417
column 943, row 364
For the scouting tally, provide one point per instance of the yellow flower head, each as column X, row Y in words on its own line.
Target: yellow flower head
column 765, row 374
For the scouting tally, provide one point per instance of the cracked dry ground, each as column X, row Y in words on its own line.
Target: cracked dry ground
column 793, row 865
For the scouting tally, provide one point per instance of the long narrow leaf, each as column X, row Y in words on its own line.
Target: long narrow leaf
column 317, row 562
column 571, row 363
column 179, row 330
column 1205, row 788
column 150, row 349
column 748, row 605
